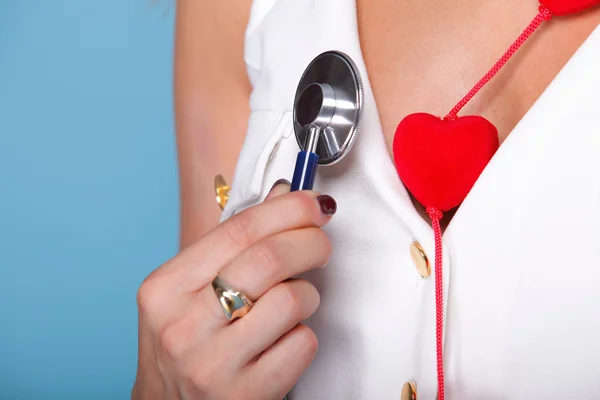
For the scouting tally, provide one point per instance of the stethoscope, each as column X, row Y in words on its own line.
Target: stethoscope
column 327, row 112
column 328, row 109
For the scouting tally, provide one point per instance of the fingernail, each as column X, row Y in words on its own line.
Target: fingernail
column 328, row 204
column 279, row 182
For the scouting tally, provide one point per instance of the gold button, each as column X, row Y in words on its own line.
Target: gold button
column 420, row 259
column 222, row 191
column 409, row 391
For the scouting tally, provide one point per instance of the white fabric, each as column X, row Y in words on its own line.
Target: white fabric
column 521, row 267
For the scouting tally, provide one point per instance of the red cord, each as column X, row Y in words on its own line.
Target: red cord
column 544, row 15
column 436, row 215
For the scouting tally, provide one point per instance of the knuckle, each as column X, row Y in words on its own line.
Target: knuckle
column 207, row 376
column 172, row 342
column 239, row 229
column 298, row 298
column 308, row 339
column 324, row 243
column 148, row 293
column 268, row 260
column 202, row 380
column 292, row 302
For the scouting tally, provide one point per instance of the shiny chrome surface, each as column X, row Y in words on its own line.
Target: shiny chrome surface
column 316, row 105
column 312, row 141
column 330, row 97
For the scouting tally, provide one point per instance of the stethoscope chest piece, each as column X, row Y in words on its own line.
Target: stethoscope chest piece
column 328, row 107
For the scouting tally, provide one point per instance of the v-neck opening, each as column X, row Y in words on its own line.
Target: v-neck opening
column 513, row 135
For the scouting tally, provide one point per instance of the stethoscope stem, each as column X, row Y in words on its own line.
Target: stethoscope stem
column 307, row 163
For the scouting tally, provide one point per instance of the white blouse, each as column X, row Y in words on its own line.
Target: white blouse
column 521, row 273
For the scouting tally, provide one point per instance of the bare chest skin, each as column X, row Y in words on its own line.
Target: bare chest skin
column 424, row 56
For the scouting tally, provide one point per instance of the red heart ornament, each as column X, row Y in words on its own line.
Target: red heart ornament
column 438, row 160
column 565, row 7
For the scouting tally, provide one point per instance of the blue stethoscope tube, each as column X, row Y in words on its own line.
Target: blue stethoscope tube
column 307, row 163
column 305, row 171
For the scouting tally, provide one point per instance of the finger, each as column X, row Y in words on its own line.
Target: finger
column 280, row 187
column 273, row 315
column 276, row 259
column 197, row 265
column 278, row 369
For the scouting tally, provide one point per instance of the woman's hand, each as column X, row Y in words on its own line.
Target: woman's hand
column 187, row 347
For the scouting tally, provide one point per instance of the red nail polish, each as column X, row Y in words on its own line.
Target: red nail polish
column 328, row 204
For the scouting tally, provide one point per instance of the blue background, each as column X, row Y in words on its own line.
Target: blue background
column 88, row 189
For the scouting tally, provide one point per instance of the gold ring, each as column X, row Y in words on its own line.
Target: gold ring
column 234, row 303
